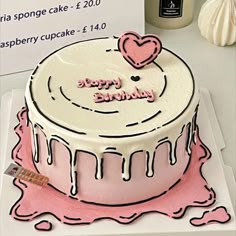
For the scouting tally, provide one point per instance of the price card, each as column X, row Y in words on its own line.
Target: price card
column 31, row 29
column 19, row 172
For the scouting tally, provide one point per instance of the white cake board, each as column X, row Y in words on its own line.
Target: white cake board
column 214, row 170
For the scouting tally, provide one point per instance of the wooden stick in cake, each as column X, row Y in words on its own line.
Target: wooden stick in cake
column 26, row 175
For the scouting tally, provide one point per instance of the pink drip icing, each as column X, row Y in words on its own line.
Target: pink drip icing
column 192, row 190
column 217, row 215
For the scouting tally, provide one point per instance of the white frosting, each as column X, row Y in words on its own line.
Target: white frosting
column 217, row 21
column 68, row 113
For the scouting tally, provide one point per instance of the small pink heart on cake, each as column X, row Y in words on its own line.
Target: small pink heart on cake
column 137, row 50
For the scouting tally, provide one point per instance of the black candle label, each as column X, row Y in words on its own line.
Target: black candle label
column 171, row 8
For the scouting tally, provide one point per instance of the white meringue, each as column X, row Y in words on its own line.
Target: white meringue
column 217, row 21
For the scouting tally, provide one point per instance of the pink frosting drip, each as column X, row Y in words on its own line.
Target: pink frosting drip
column 191, row 191
column 217, row 215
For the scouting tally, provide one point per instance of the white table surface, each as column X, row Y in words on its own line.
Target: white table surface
column 214, row 68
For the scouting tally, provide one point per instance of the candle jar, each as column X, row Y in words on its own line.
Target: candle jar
column 169, row 14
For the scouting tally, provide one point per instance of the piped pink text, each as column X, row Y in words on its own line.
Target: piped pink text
column 100, row 84
column 123, row 95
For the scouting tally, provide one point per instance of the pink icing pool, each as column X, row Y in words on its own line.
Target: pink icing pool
column 190, row 189
column 43, row 225
column 217, row 215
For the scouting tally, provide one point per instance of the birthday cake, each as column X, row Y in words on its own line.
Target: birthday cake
column 112, row 122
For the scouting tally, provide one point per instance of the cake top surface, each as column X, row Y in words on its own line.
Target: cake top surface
column 89, row 88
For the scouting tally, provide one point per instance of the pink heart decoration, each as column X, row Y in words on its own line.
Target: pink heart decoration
column 138, row 50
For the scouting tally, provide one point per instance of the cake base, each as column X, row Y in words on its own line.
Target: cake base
column 149, row 223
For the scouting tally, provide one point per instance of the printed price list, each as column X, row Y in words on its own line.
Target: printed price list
column 21, row 17
column 57, row 9
column 52, row 35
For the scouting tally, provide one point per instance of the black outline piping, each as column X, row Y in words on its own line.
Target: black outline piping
column 111, row 148
column 125, row 135
column 85, row 108
column 49, row 84
column 132, row 124
column 69, row 218
column 63, row 94
column 151, row 117
column 164, row 89
column 172, row 186
column 145, row 120
column 128, row 217
column 40, row 126
column 34, row 72
column 50, row 185
column 135, row 78
column 124, row 204
column 163, row 139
